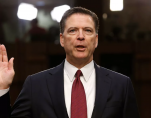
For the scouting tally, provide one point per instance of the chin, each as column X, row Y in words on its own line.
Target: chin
column 80, row 57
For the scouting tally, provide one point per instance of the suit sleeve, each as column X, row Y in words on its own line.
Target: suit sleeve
column 130, row 105
column 22, row 106
column 5, row 107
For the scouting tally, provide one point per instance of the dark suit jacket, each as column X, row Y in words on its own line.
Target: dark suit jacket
column 42, row 96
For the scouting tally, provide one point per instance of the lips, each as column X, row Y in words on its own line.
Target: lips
column 80, row 48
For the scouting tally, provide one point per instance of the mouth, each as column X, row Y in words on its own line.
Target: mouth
column 80, row 48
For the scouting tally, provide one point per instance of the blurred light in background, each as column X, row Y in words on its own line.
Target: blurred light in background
column 27, row 11
column 104, row 16
column 58, row 12
column 116, row 5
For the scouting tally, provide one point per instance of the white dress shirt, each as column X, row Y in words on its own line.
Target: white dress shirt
column 88, row 80
column 4, row 91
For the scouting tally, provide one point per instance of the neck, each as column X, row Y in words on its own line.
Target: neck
column 79, row 63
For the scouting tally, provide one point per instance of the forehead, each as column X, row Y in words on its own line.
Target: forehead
column 77, row 20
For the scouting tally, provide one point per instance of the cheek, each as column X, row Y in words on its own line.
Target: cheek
column 92, row 45
column 92, row 42
column 68, row 44
column 71, row 41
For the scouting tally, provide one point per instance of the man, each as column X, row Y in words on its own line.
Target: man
column 95, row 92
column 36, row 33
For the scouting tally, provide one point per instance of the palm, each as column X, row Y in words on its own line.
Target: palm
column 6, row 69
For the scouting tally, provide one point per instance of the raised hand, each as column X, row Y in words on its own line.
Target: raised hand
column 6, row 69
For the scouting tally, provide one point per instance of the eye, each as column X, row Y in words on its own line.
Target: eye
column 72, row 31
column 88, row 30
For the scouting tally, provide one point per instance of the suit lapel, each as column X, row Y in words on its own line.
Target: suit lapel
column 103, row 83
column 56, row 89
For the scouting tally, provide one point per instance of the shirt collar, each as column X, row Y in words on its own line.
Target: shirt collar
column 71, row 70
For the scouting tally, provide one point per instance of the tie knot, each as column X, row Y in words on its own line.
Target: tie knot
column 78, row 73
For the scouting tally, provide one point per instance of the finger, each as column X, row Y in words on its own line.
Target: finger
column 4, row 54
column 10, row 64
column 0, row 53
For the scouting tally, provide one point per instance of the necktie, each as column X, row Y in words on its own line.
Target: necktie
column 78, row 98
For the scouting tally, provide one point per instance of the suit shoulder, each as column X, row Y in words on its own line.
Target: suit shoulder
column 41, row 74
column 117, row 79
column 44, row 73
column 113, row 74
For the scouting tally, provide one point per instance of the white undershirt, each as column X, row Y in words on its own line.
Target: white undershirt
column 88, row 80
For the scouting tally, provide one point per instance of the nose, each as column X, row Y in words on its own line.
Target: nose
column 80, row 35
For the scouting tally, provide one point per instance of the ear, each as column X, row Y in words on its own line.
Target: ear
column 61, row 40
column 96, row 41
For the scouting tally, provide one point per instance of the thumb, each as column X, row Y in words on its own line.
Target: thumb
column 11, row 63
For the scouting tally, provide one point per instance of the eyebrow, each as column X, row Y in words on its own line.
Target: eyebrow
column 72, row 27
column 78, row 28
column 88, row 27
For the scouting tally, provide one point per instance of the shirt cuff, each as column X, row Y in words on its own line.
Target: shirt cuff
column 4, row 91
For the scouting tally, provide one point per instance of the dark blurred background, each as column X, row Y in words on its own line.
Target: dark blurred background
column 124, row 41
